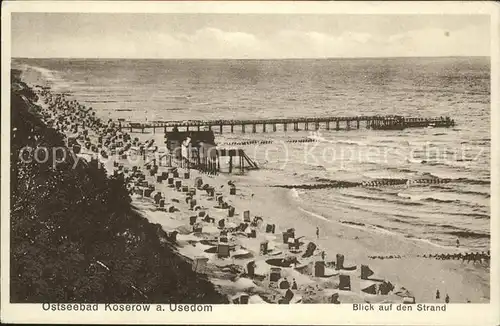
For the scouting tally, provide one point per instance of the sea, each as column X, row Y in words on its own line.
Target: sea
column 459, row 87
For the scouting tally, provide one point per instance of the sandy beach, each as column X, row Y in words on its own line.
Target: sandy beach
column 411, row 275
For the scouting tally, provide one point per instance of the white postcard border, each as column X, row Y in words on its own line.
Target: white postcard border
column 457, row 314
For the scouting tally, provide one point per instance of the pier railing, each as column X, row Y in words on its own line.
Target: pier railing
column 387, row 122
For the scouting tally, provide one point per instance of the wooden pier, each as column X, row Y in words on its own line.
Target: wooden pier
column 296, row 124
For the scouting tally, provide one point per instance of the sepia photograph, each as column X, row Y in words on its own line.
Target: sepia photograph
column 193, row 159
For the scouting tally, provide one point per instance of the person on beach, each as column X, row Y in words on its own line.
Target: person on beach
column 438, row 295
column 447, row 298
column 335, row 298
column 317, row 232
column 323, row 255
column 294, row 285
column 458, row 243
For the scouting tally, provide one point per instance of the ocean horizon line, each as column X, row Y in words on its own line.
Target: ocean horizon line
column 254, row 59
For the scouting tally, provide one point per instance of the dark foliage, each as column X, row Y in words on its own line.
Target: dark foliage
column 75, row 236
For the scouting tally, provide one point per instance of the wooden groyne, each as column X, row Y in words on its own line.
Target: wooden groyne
column 285, row 124
column 466, row 256
column 366, row 184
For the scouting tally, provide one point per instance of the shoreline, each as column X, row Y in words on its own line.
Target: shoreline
column 277, row 206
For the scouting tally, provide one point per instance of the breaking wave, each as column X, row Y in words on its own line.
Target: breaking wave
column 405, row 203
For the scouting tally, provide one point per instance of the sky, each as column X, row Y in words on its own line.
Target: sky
column 246, row 36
